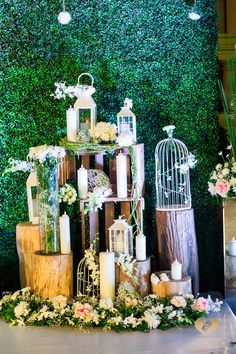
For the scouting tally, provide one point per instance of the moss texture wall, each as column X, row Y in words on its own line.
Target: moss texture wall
column 148, row 50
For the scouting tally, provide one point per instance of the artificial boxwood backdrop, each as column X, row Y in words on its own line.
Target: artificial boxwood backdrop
column 147, row 50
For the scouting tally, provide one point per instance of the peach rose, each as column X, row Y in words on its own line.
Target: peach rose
column 201, row 304
column 222, row 188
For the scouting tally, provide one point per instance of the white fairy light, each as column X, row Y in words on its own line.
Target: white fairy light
column 64, row 16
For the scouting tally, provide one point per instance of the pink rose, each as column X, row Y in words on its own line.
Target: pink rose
column 222, row 188
column 82, row 310
column 201, row 304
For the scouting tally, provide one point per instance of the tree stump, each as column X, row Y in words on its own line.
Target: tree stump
column 52, row 275
column 177, row 240
column 172, row 287
column 27, row 242
column 142, row 272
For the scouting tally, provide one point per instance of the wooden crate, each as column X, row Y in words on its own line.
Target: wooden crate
column 94, row 226
column 99, row 161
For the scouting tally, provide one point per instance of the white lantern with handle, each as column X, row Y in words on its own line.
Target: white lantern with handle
column 85, row 104
column 32, row 196
column 121, row 237
column 126, row 120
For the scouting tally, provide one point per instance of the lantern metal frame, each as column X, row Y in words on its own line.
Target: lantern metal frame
column 121, row 237
column 85, row 104
column 126, row 120
column 172, row 174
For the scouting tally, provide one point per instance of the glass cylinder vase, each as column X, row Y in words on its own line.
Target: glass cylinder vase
column 47, row 175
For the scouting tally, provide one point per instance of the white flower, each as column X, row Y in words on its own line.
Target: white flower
column 220, row 153
column 67, row 194
column 133, row 321
column 234, row 167
column 106, row 303
column 115, row 320
column 164, row 277
column 59, row 302
column 46, row 152
column 214, row 306
column 212, row 188
column 225, row 171
column 125, row 139
column 229, row 147
column 189, row 296
column 15, row 295
column 178, row 301
column 151, row 319
column 172, row 315
column 154, row 279
column 103, row 132
column 218, row 166
column 21, row 309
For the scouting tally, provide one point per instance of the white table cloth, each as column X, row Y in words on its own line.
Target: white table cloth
column 43, row 340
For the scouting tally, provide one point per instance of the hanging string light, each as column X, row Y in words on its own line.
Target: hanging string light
column 64, row 16
column 194, row 13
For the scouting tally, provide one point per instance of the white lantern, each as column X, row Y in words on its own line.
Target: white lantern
column 126, row 120
column 121, row 237
column 86, row 105
column 32, row 196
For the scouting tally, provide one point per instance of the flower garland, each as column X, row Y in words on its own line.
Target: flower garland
column 129, row 312
column 223, row 179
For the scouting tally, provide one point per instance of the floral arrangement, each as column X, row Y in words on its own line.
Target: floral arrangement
column 64, row 91
column 67, row 194
column 156, row 280
column 129, row 312
column 96, row 198
column 103, row 132
column 88, row 274
column 46, row 154
column 127, row 264
column 223, row 179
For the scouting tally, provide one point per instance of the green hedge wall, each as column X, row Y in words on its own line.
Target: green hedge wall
column 148, row 50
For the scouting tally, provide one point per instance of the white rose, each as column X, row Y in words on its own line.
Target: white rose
column 178, row 301
column 225, row 171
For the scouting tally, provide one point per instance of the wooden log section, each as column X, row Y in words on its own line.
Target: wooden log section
column 142, row 272
column 27, row 242
column 52, row 275
column 172, row 287
column 177, row 240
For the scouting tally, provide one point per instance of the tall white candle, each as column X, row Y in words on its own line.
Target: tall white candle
column 121, row 175
column 232, row 247
column 140, row 242
column 72, row 119
column 82, row 178
column 64, row 221
column 176, row 270
column 107, row 275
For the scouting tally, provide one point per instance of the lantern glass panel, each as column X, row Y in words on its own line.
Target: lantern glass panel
column 84, row 119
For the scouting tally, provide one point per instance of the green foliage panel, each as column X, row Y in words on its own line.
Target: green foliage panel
column 148, row 50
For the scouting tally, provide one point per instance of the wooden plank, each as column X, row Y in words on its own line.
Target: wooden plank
column 109, row 220
column 177, row 240
column 125, row 209
column 85, row 161
column 71, row 168
column 93, row 228
column 99, row 161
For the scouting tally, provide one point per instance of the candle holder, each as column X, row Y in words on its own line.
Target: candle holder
column 121, row 237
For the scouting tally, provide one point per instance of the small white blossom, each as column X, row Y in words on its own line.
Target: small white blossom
column 164, row 277
column 154, row 279
column 21, row 309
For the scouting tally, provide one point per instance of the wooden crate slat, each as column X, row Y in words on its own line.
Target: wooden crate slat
column 99, row 161
column 109, row 220
column 85, row 161
column 93, row 228
column 125, row 209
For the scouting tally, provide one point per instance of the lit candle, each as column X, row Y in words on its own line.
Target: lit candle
column 72, row 116
column 176, row 270
column 107, row 275
column 64, row 221
column 140, row 241
column 232, row 247
column 82, row 178
column 121, row 175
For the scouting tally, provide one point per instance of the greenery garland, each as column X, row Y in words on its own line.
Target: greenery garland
column 130, row 312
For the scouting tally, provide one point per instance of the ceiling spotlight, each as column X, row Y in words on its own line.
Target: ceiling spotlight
column 194, row 13
column 64, row 16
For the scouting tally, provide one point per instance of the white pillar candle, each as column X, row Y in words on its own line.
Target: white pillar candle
column 232, row 247
column 176, row 270
column 72, row 116
column 82, row 179
column 64, row 221
column 121, row 175
column 140, row 241
column 107, row 275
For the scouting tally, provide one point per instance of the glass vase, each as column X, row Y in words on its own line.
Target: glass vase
column 48, row 207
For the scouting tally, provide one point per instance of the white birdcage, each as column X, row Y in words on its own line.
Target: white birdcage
column 85, row 104
column 88, row 274
column 172, row 173
column 126, row 120
column 121, row 237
